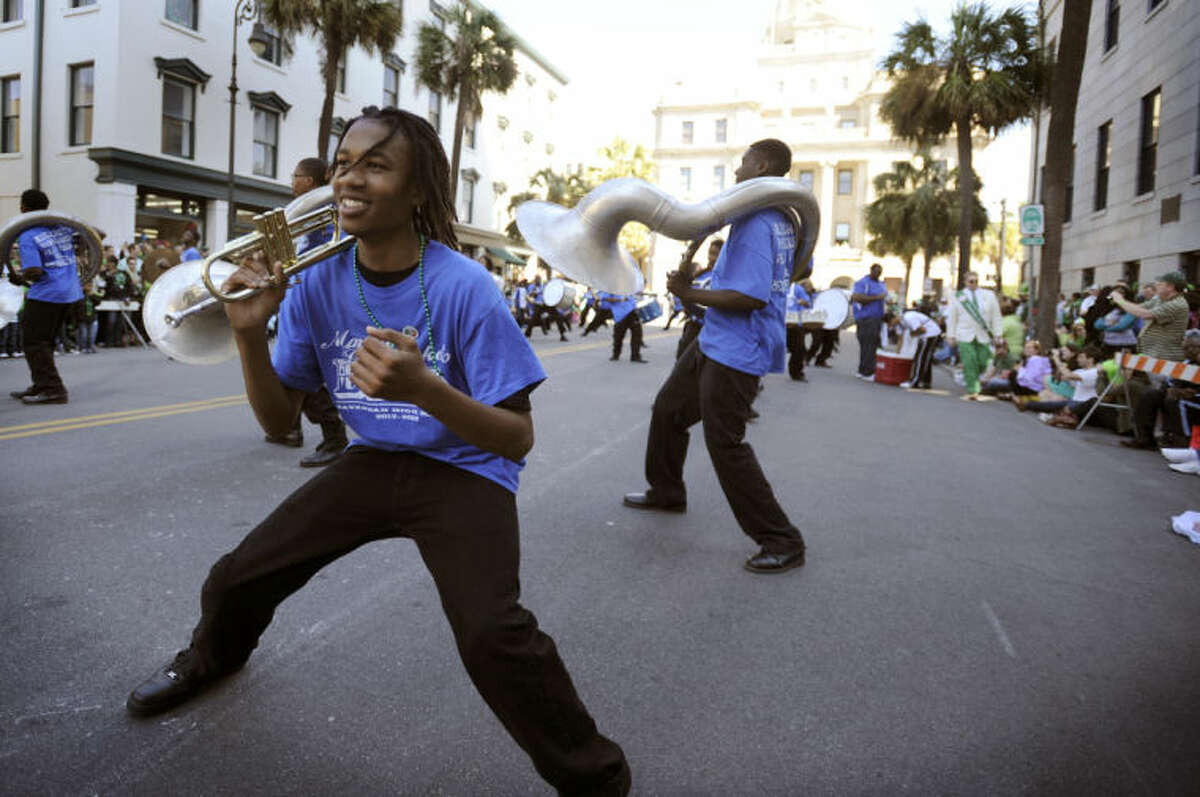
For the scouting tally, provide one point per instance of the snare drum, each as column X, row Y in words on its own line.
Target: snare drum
column 558, row 294
column 648, row 310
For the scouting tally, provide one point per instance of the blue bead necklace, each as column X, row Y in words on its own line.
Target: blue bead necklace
column 432, row 347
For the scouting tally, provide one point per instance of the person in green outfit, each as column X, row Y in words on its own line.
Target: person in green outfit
column 973, row 323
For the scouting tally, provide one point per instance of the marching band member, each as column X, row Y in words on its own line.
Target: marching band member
column 625, row 319
column 48, row 266
column 717, row 378
column 797, row 301
column 695, row 313
column 427, row 365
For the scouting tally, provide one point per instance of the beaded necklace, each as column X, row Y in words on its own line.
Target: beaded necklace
column 432, row 348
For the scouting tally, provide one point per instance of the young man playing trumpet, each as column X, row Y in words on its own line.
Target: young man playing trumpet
column 717, row 377
column 426, row 363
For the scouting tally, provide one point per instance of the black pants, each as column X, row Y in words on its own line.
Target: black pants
column 824, row 342
column 797, row 352
column 691, row 331
column 465, row 527
column 39, row 324
column 1018, row 389
column 320, row 410
column 868, row 344
column 700, row 389
column 602, row 315
column 632, row 323
column 921, row 373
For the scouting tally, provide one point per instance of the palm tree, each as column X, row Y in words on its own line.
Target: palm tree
column 479, row 59
column 1064, row 92
column 986, row 73
column 339, row 25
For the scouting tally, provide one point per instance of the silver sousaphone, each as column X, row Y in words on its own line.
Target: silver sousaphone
column 90, row 237
column 582, row 242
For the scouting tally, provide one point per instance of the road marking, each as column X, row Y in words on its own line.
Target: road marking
column 59, row 712
column 124, row 416
column 999, row 629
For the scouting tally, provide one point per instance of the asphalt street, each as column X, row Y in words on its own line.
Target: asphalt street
column 990, row 606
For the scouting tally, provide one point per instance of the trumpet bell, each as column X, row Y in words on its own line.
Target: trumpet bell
column 202, row 337
column 567, row 241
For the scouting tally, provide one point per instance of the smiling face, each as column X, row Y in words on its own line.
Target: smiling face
column 372, row 183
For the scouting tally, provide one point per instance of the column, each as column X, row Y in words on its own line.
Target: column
column 116, row 212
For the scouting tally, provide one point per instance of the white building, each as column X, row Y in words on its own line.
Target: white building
column 130, row 127
column 814, row 85
column 1134, row 200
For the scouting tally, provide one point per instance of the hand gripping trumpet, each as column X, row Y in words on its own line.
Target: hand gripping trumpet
column 582, row 242
column 182, row 311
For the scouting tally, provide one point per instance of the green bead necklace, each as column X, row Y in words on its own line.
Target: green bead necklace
column 432, row 347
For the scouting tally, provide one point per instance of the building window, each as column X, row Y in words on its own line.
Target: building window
column 435, row 110
column 1148, row 149
column 721, row 131
column 178, row 118
column 391, row 87
column 1087, row 278
column 1103, row 164
column 687, row 132
column 685, row 178
column 846, row 124
column 10, row 114
column 845, row 82
column 841, row 232
column 468, row 196
column 845, row 181
column 1131, row 272
column 182, row 12
column 82, row 3
column 1112, row 21
column 718, row 178
column 266, row 141
column 273, row 54
column 13, row 10
column 1153, row 5
column 83, row 77
column 1070, row 198
column 805, row 179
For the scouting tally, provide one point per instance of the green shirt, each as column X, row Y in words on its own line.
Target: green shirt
column 1013, row 331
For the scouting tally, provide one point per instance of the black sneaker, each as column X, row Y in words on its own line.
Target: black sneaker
column 46, row 397
column 20, row 394
column 167, row 688
column 293, row 439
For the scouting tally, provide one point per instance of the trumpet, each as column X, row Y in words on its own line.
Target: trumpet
column 182, row 310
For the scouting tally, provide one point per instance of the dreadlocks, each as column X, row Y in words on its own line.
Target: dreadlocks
column 429, row 168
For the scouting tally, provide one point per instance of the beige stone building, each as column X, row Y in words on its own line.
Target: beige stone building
column 814, row 84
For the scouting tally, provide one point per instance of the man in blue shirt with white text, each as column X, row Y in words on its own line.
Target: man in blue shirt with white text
column 869, row 296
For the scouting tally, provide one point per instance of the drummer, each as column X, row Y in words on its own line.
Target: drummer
column 625, row 319
column 798, row 301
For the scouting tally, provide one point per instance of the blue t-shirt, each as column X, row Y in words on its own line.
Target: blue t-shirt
column 51, row 249
column 621, row 305
column 755, row 261
column 796, row 295
column 481, row 350
column 869, row 287
column 191, row 253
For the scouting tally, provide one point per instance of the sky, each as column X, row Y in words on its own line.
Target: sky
column 620, row 54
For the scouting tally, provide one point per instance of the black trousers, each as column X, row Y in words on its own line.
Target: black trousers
column 320, row 410
column 601, row 315
column 700, row 389
column 796, row 351
column 824, row 341
column 39, row 324
column 921, row 373
column 691, row 331
column 633, row 324
column 868, row 344
column 465, row 527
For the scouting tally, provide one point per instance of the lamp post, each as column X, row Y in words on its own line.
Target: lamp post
column 243, row 11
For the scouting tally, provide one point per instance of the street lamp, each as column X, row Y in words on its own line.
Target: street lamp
column 243, row 11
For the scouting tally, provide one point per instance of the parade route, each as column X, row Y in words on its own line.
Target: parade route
column 990, row 606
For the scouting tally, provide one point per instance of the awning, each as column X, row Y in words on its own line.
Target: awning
column 505, row 255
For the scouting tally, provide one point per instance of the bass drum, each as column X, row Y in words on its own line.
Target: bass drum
column 649, row 310
column 835, row 304
column 558, row 294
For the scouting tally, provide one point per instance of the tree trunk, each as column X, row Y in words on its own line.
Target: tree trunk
column 325, row 126
column 1064, row 92
column 966, row 198
column 460, row 120
column 928, row 265
column 907, row 279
